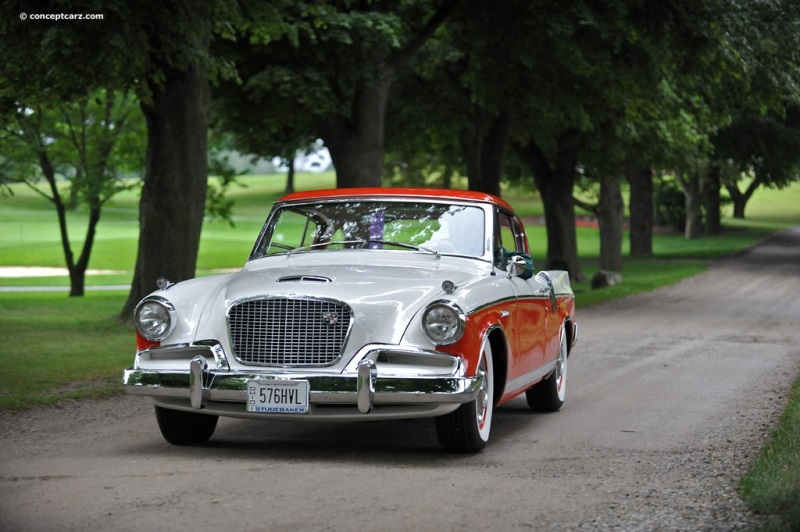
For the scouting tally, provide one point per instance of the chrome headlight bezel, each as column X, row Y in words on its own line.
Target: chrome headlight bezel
column 443, row 322
column 154, row 318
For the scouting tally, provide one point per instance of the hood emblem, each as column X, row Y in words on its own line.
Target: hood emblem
column 329, row 318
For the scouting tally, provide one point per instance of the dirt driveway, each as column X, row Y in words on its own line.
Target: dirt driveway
column 670, row 396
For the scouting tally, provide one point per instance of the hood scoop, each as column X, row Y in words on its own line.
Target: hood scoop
column 303, row 279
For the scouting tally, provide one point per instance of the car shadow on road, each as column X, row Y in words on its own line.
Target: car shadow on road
column 384, row 442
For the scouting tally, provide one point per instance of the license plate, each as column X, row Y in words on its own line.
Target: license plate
column 278, row 397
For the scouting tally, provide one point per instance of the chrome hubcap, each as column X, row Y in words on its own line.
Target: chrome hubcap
column 561, row 366
column 482, row 399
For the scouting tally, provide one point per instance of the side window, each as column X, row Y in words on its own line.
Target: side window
column 519, row 236
column 508, row 238
column 510, row 234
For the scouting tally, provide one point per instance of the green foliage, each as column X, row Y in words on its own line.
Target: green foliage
column 83, row 150
column 93, row 144
column 219, row 205
column 766, row 146
column 669, row 204
column 772, row 484
column 316, row 69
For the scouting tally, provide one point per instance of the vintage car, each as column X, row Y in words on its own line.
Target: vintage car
column 357, row 305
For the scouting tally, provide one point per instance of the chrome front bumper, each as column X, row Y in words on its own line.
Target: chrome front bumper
column 366, row 386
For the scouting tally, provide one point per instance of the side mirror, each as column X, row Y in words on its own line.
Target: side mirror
column 519, row 265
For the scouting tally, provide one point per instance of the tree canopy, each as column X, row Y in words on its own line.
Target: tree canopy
column 601, row 90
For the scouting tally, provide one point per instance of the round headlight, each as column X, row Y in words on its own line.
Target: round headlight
column 154, row 319
column 443, row 323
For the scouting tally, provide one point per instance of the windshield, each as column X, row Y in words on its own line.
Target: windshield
column 428, row 227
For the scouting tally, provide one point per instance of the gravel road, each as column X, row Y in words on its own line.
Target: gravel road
column 671, row 394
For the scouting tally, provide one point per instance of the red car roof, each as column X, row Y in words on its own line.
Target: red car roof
column 433, row 193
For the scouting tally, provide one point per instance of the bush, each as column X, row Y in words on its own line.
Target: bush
column 669, row 204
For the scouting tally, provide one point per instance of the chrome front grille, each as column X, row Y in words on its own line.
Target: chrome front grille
column 288, row 331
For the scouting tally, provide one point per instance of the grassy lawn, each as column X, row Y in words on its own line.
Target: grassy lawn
column 54, row 348
column 772, row 486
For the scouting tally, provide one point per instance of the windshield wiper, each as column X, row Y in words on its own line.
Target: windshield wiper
column 402, row 245
column 367, row 241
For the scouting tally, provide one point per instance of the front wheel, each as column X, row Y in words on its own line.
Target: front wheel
column 549, row 394
column 185, row 428
column 466, row 430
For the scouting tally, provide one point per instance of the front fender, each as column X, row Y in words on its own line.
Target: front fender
column 478, row 327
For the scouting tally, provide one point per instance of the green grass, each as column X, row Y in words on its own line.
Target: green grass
column 54, row 348
column 29, row 231
column 772, row 484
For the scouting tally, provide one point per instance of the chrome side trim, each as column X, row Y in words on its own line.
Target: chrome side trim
column 524, row 381
column 490, row 304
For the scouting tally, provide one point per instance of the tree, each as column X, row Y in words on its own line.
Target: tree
column 160, row 50
column 640, row 205
column 581, row 91
column 175, row 103
column 752, row 81
column 424, row 121
column 92, row 144
column 767, row 147
column 331, row 75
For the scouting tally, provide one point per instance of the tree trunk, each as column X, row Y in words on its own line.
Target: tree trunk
column 176, row 180
column 711, row 201
column 493, row 153
column 470, row 140
column 484, row 151
column 641, row 211
column 610, row 218
column 356, row 145
column 77, row 271
column 556, row 184
column 740, row 199
column 76, row 276
column 290, row 176
column 447, row 177
column 694, row 212
column 356, row 142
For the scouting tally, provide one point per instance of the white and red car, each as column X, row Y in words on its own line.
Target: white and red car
column 362, row 304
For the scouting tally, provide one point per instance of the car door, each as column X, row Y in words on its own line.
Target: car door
column 530, row 313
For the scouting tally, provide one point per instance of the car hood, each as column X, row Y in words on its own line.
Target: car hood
column 363, row 281
column 383, row 291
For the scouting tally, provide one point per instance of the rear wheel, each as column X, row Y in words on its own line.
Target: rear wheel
column 549, row 394
column 185, row 428
column 466, row 430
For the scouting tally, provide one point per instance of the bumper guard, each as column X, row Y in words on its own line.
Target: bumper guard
column 360, row 384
